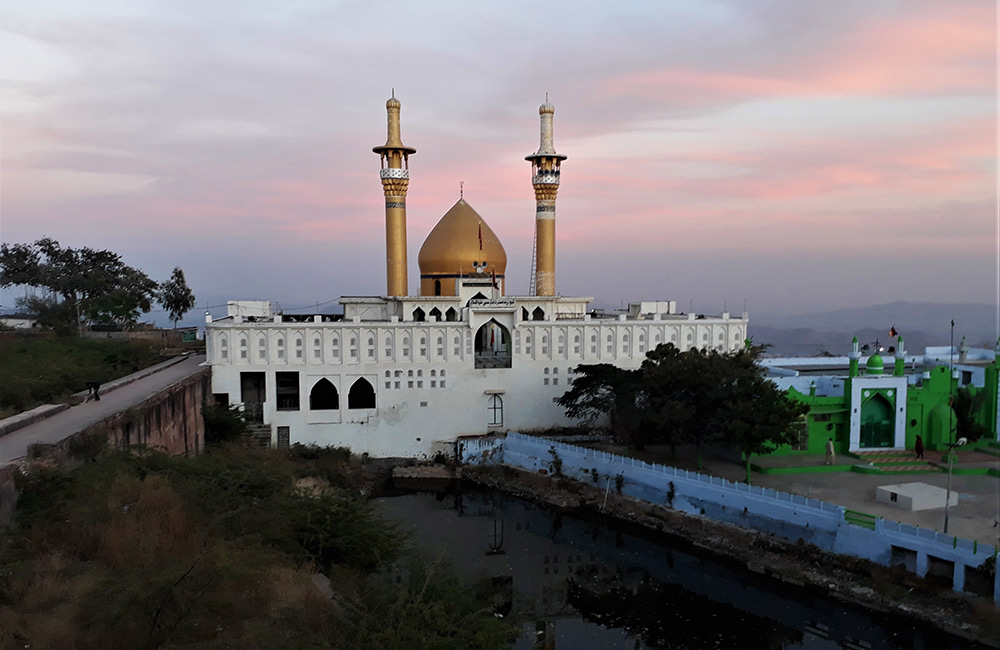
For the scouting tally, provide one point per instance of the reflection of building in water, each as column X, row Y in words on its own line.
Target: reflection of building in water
column 405, row 375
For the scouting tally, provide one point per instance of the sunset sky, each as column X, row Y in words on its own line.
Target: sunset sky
column 796, row 155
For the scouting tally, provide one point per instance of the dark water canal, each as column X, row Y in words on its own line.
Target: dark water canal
column 580, row 584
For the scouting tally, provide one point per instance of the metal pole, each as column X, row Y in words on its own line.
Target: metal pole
column 947, row 497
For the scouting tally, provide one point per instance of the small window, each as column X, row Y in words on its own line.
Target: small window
column 494, row 410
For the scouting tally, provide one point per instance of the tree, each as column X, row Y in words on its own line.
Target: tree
column 175, row 296
column 967, row 406
column 80, row 286
column 603, row 389
column 688, row 397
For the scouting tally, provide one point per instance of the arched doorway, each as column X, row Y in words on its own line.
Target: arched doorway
column 324, row 396
column 493, row 349
column 361, row 395
column 877, row 422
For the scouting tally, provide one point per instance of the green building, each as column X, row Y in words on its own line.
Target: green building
column 879, row 408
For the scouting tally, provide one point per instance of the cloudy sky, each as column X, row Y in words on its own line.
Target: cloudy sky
column 796, row 155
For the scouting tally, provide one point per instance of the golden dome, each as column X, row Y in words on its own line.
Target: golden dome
column 459, row 243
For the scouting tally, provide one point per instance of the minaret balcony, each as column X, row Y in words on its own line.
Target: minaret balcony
column 545, row 179
column 393, row 172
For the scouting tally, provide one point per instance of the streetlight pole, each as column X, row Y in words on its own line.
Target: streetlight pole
column 951, row 463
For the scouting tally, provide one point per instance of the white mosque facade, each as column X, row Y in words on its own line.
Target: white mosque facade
column 402, row 375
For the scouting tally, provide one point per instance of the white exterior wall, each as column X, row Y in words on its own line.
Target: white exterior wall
column 426, row 391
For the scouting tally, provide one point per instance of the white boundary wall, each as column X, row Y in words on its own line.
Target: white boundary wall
column 787, row 515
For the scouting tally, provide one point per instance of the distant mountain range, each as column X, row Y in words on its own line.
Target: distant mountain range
column 920, row 324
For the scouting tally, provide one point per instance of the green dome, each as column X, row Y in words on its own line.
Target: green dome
column 875, row 366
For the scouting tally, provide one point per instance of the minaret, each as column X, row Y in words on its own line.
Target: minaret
column 899, row 368
column 545, row 179
column 854, row 357
column 395, row 176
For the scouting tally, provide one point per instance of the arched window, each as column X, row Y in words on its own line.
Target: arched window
column 298, row 347
column 538, row 314
column 262, row 348
column 418, row 314
column 494, row 411
column 361, row 395
column 317, row 348
column 451, row 314
column 524, row 313
column 435, row 314
column 437, row 287
column 458, row 345
column 243, row 348
column 223, row 347
column 335, row 347
column 324, row 396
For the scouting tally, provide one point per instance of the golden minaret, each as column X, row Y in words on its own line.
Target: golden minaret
column 395, row 176
column 545, row 179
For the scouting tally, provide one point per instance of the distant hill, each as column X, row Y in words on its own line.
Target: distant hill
column 921, row 324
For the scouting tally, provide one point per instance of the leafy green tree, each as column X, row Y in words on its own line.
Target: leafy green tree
column 603, row 389
column 175, row 296
column 80, row 286
column 694, row 397
column 967, row 406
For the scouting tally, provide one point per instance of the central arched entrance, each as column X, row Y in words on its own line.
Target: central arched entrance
column 877, row 423
column 493, row 346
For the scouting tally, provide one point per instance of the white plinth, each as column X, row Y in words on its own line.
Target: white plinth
column 914, row 496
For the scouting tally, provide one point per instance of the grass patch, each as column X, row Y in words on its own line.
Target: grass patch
column 40, row 370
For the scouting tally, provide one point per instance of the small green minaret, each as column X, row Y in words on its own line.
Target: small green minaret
column 900, row 366
column 854, row 357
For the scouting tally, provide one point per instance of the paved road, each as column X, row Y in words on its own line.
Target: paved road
column 62, row 425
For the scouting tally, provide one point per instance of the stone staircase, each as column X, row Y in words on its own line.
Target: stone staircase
column 897, row 461
column 259, row 435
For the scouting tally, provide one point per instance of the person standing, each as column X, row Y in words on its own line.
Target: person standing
column 830, row 454
column 918, row 447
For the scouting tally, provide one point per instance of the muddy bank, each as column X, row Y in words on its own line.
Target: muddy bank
column 854, row 582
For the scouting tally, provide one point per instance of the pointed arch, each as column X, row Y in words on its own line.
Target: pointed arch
column 419, row 315
column 324, row 396
column 361, row 395
column 493, row 349
column 435, row 314
column 538, row 314
column 451, row 314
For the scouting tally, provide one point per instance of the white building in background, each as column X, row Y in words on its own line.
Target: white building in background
column 402, row 375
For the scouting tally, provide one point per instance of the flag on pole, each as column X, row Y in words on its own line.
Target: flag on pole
column 893, row 332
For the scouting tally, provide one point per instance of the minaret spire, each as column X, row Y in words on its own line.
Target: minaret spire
column 395, row 177
column 545, row 164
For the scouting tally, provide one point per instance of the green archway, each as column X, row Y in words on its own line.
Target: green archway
column 877, row 423
column 940, row 422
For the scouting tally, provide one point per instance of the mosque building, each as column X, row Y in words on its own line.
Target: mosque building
column 407, row 375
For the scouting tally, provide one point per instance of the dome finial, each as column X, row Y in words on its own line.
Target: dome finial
column 461, row 189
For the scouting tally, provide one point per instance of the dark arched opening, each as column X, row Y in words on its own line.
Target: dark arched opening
column 437, row 287
column 451, row 314
column 324, row 396
column 493, row 346
column 538, row 314
column 361, row 395
column 435, row 314
column 418, row 314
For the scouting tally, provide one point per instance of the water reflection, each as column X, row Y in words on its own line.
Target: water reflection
column 577, row 584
